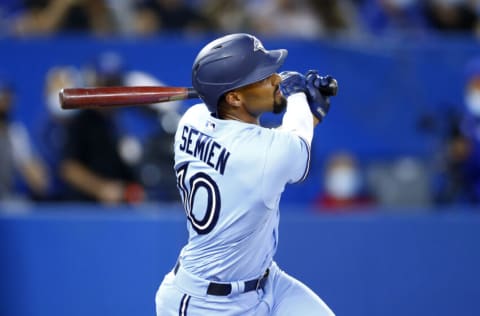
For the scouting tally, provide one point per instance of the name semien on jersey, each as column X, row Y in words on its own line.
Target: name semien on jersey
column 205, row 148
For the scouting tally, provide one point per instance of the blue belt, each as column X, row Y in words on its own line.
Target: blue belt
column 224, row 289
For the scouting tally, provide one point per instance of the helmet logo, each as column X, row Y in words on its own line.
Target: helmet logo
column 257, row 45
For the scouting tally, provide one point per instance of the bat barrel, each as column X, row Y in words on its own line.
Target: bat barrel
column 75, row 98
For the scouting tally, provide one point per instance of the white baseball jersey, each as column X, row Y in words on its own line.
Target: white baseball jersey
column 231, row 175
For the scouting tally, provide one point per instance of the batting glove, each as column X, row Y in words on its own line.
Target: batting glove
column 292, row 82
column 319, row 91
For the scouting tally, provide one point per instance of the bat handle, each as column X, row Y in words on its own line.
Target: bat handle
column 192, row 93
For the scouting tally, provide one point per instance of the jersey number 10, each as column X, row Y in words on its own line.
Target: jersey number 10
column 212, row 207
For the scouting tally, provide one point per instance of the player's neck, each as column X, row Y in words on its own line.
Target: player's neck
column 239, row 117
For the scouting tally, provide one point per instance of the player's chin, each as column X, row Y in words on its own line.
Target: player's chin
column 280, row 104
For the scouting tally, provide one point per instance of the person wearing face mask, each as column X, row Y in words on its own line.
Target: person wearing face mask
column 343, row 187
column 463, row 147
column 17, row 155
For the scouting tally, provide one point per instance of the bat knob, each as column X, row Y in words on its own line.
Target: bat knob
column 61, row 98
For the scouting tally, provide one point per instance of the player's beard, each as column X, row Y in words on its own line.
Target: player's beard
column 279, row 106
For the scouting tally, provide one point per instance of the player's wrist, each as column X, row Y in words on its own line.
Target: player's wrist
column 292, row 82
column 297, row 97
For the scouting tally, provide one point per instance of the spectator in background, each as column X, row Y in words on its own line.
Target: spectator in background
column 92, row 163
column 452, row 16
column 226, row 16
column 343, row 187
column 123, row 15
column 461, row 178
column 338, row 17
column 387, row 17
column 147, row 130
column 43, row 17
column 17, row 155
column 286, row 18
column 53, row 130
column 154, row 16
column 137, row 138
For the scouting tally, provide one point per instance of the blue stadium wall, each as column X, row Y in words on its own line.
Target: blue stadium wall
column 77, row 260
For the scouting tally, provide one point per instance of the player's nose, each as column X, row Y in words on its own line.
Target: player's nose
column 276, row 79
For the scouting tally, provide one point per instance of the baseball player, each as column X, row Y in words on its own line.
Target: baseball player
column 231, row 173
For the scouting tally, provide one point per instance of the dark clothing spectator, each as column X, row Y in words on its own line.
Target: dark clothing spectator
column 57, row 16
column 92, row 164
column 459, row 181
column 169, row 15
column 383, row 17
column 455, row 17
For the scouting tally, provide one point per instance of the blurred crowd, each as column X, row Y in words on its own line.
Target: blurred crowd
column 95, row 155
column 296, row 18
column 92, row 155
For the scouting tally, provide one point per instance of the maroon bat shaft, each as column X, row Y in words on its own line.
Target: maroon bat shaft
column 105, row 97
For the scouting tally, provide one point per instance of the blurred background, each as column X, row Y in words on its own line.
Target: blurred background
column 387, row 223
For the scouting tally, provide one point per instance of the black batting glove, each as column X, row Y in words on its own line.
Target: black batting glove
column 292, row 82
column 319, row 90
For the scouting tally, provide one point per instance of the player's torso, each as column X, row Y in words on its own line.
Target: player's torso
column 220, row 172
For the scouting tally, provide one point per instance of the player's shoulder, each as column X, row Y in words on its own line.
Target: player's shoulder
column 196, row 112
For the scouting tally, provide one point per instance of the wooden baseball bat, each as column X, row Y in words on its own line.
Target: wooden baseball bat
column 107, row 97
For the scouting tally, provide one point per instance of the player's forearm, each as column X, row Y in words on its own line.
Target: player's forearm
column 35, row 175
column 81, row 178
column 298, row 118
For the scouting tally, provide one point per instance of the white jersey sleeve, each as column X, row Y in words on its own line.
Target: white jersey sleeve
column 288, row 160
column 298, row 118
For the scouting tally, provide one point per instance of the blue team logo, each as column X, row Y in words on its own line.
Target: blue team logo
column 257, row 45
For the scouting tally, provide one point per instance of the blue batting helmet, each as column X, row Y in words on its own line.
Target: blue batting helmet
column 231, row 62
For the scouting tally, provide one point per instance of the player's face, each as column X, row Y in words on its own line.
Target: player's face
column 264, row 96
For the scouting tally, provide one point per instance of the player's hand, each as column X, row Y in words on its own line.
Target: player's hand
column 319, row 90
column 292, row 82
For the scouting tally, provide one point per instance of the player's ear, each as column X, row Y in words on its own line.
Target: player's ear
column 233, row 98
